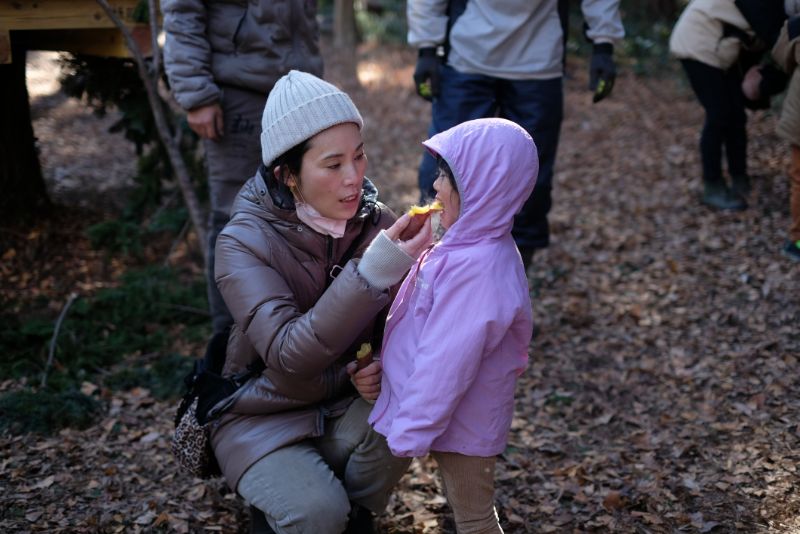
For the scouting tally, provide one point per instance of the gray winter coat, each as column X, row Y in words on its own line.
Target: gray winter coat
column 271, row 270
column 244, row 43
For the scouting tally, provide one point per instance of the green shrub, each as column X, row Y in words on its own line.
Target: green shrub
column 46, row 412
column 387, row 26
column 101, row 331
column 117, row 236
column 163, row 377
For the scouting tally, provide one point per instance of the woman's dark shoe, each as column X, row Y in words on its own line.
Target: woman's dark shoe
column 740, row 184
column 792, row 250
column 361, row 521
column 717, row 195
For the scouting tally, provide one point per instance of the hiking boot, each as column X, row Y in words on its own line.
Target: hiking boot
column 258, row 522
column 717, row 195
column 740, row 184
column 792, row 250
column 361, row 521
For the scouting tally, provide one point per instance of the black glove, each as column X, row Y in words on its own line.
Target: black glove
column 426, row 73
column 602, row 71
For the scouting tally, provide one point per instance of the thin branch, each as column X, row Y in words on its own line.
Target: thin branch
column 162, row 126
column 52, row 352
column 151, row 4
column 177, row 240
column 162, row 208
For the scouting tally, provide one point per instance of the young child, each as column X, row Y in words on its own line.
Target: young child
column 458, row 330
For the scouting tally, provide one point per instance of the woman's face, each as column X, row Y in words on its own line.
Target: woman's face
column 332, row 172
column 448, row 196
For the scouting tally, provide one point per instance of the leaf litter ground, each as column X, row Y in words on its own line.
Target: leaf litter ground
column 661, row 391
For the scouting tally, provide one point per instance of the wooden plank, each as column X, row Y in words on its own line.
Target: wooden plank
column 86, row 17
column 61, row 14
column 96, row 41
column 5, row 47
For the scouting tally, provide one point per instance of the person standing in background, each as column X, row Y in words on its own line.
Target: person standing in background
column 787, row 54
column 222, row 58
column 717, row 42
column 487, row 58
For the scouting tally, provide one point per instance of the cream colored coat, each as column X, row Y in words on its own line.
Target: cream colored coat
column 787, row 54
column 698, row 34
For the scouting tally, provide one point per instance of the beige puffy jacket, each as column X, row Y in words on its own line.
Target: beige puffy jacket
column 699, row 33
column 786, row 53
column 271, row 270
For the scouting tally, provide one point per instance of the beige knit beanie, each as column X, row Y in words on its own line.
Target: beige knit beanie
column 300, row 106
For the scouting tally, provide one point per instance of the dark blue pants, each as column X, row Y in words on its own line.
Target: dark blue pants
column 720, row 94
column 536, row 105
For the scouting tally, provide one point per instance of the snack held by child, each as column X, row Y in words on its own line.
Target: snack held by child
column 458, row 332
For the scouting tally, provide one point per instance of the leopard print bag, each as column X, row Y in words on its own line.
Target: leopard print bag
column 191, row 445
column 199, row 407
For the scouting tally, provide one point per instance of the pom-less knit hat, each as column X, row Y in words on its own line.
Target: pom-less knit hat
column 299, row 107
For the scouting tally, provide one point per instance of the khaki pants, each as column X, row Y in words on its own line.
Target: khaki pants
column 469, row 487
column 794, row 194
column 307, row 487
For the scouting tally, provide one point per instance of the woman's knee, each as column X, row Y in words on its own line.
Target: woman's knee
column 325, row 513
column 318, row 512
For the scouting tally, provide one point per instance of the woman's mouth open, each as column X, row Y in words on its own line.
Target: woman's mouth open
column 350, row 199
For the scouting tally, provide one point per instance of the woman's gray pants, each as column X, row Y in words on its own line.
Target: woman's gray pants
column 307, row 487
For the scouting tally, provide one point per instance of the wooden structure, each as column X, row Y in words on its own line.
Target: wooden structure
column 78, row 26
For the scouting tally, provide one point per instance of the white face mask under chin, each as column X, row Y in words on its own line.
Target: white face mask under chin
column 319, row 223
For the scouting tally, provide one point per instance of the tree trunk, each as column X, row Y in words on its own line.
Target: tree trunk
column 25, row 194
column 344, row 24
column 344, row 34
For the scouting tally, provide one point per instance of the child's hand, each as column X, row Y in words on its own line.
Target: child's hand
column 412, row 234
column 368, row 380
column 751, row 83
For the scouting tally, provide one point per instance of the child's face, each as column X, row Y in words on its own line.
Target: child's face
column 448, row 196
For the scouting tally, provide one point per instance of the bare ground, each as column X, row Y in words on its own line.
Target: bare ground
column 661, row 393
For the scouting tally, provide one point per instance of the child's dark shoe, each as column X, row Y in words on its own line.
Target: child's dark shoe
column 717, row 195
column 792, row 250
column 740, row 184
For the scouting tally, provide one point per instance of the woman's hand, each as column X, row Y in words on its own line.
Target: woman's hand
column 412, row 234
column 367, row 381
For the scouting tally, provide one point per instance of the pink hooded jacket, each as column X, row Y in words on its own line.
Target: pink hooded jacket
column 458, row 331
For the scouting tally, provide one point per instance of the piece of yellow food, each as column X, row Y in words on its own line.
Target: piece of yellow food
column 422, row 210
column 363, row 356
column 364, row 351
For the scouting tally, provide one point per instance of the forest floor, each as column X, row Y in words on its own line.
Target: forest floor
column 661, row 394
